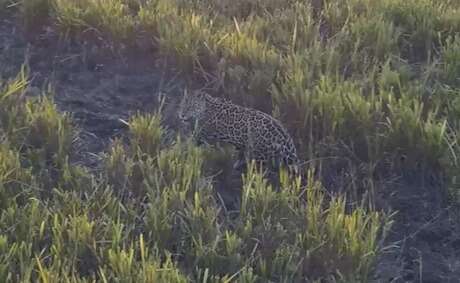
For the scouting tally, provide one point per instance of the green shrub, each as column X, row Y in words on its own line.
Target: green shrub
column 107, row 17
column 35, row 124
column 147, row 133
column 451, row 58
column 16, row 182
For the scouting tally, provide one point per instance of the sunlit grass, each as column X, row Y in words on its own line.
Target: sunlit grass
column 106, row 17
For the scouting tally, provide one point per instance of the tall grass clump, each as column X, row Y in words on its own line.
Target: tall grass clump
column 450, row 55
column 105, row 18
column 297, row 231
column 421, row 23
column 34, row 124
column 147, row 133
column 36, row 129
column 15, row 181
column 189, row 39
column 412, row 133
column 327, row 111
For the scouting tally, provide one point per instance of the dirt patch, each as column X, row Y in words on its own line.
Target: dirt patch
column 99, row 88
column 425, row 236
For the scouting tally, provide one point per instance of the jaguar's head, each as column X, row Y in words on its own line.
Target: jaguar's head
column 192, row 106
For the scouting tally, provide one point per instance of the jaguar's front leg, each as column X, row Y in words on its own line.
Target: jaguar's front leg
column 241, row 161
column 198, row 138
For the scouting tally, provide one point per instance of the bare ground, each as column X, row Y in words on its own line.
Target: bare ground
column 100, row 87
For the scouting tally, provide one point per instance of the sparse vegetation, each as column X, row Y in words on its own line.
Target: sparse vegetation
column 373, row 84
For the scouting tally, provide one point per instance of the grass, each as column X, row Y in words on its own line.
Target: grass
column 152, row 214
column 372, row 87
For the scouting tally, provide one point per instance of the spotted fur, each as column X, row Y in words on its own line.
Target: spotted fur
column 255, row 134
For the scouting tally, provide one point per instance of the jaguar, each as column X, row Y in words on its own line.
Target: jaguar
column 255, row 135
